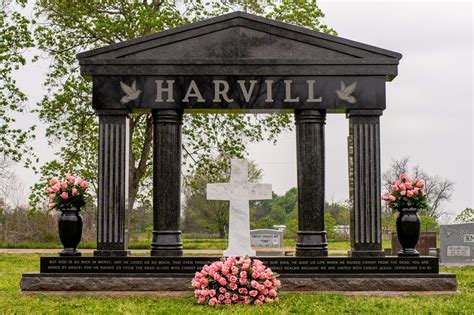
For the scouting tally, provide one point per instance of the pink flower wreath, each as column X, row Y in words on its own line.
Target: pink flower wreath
column 236, row 281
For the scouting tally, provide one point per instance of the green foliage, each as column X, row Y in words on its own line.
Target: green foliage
column 68, row 27
column 341, row 212
column 330, row 223
column 12, row 301
column 15, row 38
column 466, row 216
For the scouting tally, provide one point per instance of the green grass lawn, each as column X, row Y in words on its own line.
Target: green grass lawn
column 12, row 301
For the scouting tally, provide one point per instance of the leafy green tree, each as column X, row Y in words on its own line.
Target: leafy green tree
column 210, row 216
column 15, row 38
column 466, row 216
column 65, row 28
column 428, row 224
column 339, row 211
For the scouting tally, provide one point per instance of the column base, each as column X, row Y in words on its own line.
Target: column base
column 312, row 243
column 366, row 253
column 112, row 253
column 166, row 243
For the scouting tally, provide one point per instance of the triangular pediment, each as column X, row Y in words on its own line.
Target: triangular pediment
column 239, row 39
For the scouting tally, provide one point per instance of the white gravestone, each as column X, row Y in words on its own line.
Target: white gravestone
column 239, row 192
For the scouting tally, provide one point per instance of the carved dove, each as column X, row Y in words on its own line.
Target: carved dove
column 345, row 92
column 131, row 93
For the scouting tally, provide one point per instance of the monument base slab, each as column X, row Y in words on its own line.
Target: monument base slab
column 70, row 282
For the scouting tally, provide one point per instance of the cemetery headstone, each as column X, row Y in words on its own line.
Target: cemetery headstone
column 239, row 191
column 267, row 239
column 427, row 241
column 457, row 243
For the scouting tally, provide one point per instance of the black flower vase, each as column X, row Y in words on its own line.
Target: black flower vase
column 70, row 230
column 408, row 231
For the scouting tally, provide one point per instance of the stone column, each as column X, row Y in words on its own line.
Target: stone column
column 364, row 140
column 310, row 158
column 166, row 183
column 112, row 197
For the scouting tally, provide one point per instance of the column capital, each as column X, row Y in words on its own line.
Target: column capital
column 112, row 112
column 167, row 116
column 364, row 112
column 310, row 116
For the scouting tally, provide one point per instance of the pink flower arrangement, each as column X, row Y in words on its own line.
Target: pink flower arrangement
column 67, row 193
column 406, row 194
column 235, row 280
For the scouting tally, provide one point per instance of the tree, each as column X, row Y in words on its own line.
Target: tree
column 211, row 215
column 466, row 216
column 437, row 190
column 15, row 38
column 68, row 27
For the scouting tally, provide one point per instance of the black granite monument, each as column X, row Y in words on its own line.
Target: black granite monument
column 239, row 62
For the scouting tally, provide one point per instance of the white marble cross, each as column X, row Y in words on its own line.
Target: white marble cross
column 239, row 191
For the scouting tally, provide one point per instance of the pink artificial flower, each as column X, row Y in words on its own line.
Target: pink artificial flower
column 386, row 198
column 243, row 274
column 201, row 300
column 272, row 293
column 233, row 286
column 267, row 283
column 247, row 300
column 403, row 192
column 243, row 291
column 71, row 180
column 221, row 297
column 420, row 183
column 198, row 275
column 56, row 188
column 261, row 297
column 402, row 187
column 416, row 190
column 235, row 297
column 235, row 270
column 64, row 185
column 260, row 287
column 253, row 293
column 395, row 188
column 54, row 181
column 405, row 177
column 50, row 190
column 204, row 282
column 225, row 270
column 227, row 295
column 222, row 290
column 64, row 195
column 222, row 282
column 245, row 266
column 254, row 284
column 83, row 185
column 75, row 192
column 205, row 292
column 264, row 291
column 212, row 293
column 52, row 204
column 52, row 196
column 228, row 301
column 257, row 302
column 197, row 293
column 217, row 276
column 255, row 274
column 409, row 193
column 396, row 182
column 213, row 301
column 392, row 197
column 243, row 281
column 233, row 279
column 408, row 185
column 415, row 180
column 277, row 283
column 268, row 300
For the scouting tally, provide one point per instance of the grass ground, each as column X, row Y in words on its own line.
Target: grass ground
column 13, row 302
column 144, row 243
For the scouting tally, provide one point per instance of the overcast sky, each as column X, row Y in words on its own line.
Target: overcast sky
column 429, row 115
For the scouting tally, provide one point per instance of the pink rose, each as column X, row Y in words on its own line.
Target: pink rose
column 402, row 187
column 386, row 198
column 228, row 301
column 408, row 185
column 197, row 293
column 213, row 301
column 243, row 274
column 405, row 177
column 233, row 279
column 261, row 297
column 235, row 270
column 64, row 195
column 233, row 286
column 217, row 276
column 204, row 292
column 50, row 190
column 204, row 282
column 222, row 290
column 257, row 302
column 222, row 281
column 235, row 297
column 227, row 295
column 83, row 185
column 415, row 180
column 416, row 190
column 272, row 293
column 396, row 182
column 261, row 287
column 75, row 192
column 392, row 197
column 420, row 183
column 254, row 284
column 267, row 283
column 64, row 185
column 212, row 293
column 245, row 266
column 52, row 196
column 264, row 291
column 255, row 274
column 221, row 297
column 52, row 204
column 201, row 300
column 403, row 192
column 253, row 293
column 56, row 188
column 243, row 291
column 243, row 281
column 268, row 300
column 71, row 180
column 409, row 193
column 54, row 181
column 277, row 283
column 225, row 270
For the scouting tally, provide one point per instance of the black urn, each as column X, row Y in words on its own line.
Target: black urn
column 70, row 230
column 408, row 231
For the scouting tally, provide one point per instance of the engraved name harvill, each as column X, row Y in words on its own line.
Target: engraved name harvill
column 238, row 92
